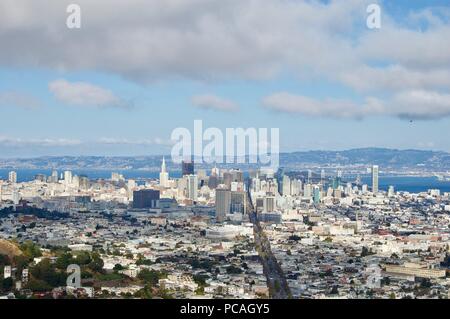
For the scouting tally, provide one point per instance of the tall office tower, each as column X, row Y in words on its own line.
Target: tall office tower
column 316, row 194
column 67, row 177
column 309, row 176
column 76, row 181
column 54, row 177
column 187, row 167
column 296, row 187
column 192, row 186
column 146, row 198
column 307, row 192
column 286, row 186
column 12, row 177
column 238, row 202
column 364, row 188
column 269, row 204
column 213, row 181
column 322, row 176
column 227, row 179
column 223, row 203
column 163, row 175
column 375, row 170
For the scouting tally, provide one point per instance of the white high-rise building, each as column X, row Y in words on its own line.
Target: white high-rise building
column 12, row 177
column 286, row 186
column 163, row 175
column 307, row 191
column 68, row 177
column 375, row 171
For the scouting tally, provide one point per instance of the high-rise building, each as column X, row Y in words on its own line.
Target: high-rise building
column 187, row 167
column 54, row 177
column 227, row 179
column 316, row 195
column 391, row 191
column 67, row 177
column 238, row 202
column 192, row 186
column 146, row 198
column 307, row 191
column 375, row 171
column 223, row 203
column 163, row 175
column 269, row 204
column 286, row 186
column 213, row 181
column 12, row 177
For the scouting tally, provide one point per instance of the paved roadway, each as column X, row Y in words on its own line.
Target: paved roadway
column 276, row 280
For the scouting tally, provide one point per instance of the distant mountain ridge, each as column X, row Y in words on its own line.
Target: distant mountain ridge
column 387, row 158
column 371, row 156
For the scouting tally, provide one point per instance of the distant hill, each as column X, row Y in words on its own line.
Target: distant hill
column 372, row 156
column 387, row 158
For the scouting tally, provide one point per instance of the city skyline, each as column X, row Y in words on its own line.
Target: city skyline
column 316, row 72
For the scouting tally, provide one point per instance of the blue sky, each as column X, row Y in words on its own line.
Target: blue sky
column 129, row 76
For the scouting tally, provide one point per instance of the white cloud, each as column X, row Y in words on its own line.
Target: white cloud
column 234, row 39
column 334, row 108
column 421, row 105
column 18, row 99
column 44, row 142
column 84, row 94
column 213, row 102
column 395, row 78
column 141, row 142
column 200, row 39
column 416, row 104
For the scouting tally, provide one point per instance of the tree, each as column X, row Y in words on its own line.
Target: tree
column 6, row 284
column 151, row 277
column 30, row 249
column 97, row 263
column 118, row 267
column 48, row 273
column 64, row 261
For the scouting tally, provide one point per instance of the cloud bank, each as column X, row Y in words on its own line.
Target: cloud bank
column 213, row 102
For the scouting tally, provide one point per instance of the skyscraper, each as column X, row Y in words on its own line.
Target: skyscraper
column 68, row 177
column 375, row 170
column 163, row 175
column 187, row 167
column 146, row 198
column 192, row 185
column 269, row 204
column 316, row 195
column 12, row 177
column 223, row 203
column 238, row 202
column 286, row 186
